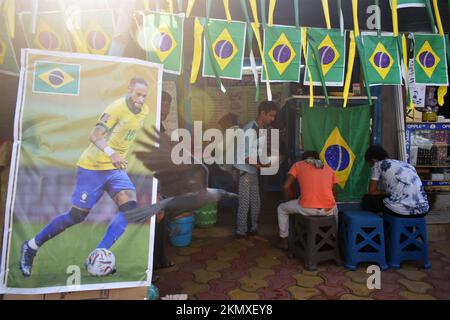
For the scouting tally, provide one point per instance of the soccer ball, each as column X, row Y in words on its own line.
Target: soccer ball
column 100, row 262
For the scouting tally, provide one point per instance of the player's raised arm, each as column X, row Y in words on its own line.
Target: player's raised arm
column 97, row 137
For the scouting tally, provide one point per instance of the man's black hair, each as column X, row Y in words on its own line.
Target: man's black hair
column 139, row 80
column 310, row 154
column 376, row 152
column 165, row 96
column 267, row 106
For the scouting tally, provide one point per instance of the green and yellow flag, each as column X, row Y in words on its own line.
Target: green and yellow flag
column 97, row 29
column 51, row 32
column 341, row 140
column 382, row 59
column 430, row 65
column 331, row 47
column 283, row 51
column 8, row 60
column 227, row 49
column 163, row 34
column 56, row 78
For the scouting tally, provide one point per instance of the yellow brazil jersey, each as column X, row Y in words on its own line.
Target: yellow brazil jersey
column 122, row 125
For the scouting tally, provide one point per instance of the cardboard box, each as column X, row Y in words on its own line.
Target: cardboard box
column 139, row 293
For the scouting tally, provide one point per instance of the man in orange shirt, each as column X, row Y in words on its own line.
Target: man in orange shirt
column 317, row 182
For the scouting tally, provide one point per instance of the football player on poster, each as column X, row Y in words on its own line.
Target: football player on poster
column 101, row 168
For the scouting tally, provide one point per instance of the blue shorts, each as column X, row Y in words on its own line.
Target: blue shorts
column 91, row 184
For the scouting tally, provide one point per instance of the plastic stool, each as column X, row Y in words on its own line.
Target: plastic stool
column 362, row 239
column 315, row 239
column 406, row 239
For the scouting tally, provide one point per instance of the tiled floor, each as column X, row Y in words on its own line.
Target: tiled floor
column 218, row 266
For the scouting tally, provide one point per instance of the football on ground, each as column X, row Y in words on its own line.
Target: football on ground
column 100, row 262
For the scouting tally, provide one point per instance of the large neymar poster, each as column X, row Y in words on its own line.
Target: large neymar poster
column 74, row 173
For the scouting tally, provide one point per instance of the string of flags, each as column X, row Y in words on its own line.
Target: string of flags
column 219, row 45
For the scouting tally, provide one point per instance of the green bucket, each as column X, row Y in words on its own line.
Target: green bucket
column 206, row 216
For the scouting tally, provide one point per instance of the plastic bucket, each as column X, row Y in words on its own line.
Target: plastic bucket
column 180, row 231
column 206, row 216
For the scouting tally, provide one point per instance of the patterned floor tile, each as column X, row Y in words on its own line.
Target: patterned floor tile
column 415, row 286
column 390, row 287
column 332, row 292
column 272, row 252
column 349, row 296
column 177, row 259
column 212, row 296
column 227, row 255
column 194, row 288
column 358, row 289
column 274, row 294
column 334, row 280
column 260, row 273
column 252, row 284
column 416, row 296
column 198, row 243
column 382, row 295
column 204, row 276
column 216, row 265
column 440, row 294
column 223, row 286
column 357, row 276
column 220, row 267
column 414, row 275
column 239, row 294
column 301, row 293
column 307, row 281
column 186, row 251
column 231, row 274
column 279, row 281
column 438, row 283
column 267, row 262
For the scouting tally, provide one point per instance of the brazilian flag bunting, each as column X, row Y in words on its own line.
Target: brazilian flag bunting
column 8, row 61
column 382, row 59
column 163, row 34
column 282, row 50
column 341, row 140
column 227, row 49
column 430, row 65
column 331, row 47
column 97, row 28
column 50, row 33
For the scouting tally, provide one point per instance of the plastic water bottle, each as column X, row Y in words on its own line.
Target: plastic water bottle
column 152, row 292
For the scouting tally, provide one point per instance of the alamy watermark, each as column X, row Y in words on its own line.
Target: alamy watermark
column 373, row 22
column 374, row 280
column 237, row 147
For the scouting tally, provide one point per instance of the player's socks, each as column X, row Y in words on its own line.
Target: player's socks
column 56, row 226
column 115, row 230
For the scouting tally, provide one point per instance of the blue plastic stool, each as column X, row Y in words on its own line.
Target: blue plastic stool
column 362, row 239
column 406, row 239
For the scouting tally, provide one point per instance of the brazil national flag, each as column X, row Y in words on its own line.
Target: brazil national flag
column 8, row 61
column 56, row 78
column 227, row 49
column 341, row 137
column 163, row 34
column 98, row 27
column 430, row 65
column 50, row 33
column 331, row 47
column 382, row 60
column 282, row 50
